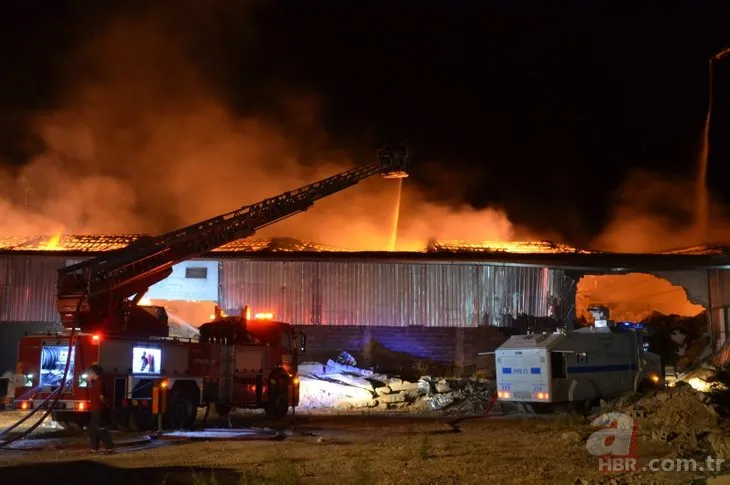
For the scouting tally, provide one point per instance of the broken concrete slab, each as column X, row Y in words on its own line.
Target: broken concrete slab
column 349, row 380
column 381, row 391
column 311, row 369
column 442, row 386
column 391, row 398
column 397, row 385
column 349, row 369
column 316, row 393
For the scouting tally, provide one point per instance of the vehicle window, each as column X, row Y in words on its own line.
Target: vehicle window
column 557, row 364
column 286, row 342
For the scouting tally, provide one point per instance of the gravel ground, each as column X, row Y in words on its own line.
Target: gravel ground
column 344, row 449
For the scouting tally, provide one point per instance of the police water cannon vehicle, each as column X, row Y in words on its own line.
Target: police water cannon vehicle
column 577, row 367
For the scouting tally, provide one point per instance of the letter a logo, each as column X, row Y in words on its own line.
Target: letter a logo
column 615, row 438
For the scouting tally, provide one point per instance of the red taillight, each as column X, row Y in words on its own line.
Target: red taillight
column 251, row 388
column 96, row 338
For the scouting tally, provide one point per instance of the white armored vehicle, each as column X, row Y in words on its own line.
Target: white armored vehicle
column 577, row 367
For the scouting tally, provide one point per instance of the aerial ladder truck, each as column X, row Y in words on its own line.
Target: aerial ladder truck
column 236, row 362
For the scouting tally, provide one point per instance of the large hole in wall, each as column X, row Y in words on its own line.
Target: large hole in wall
column 633, row 297
column 677, row 326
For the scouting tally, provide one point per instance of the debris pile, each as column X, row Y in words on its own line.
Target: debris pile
column 691, row 420
column 681, row 341
column 343, row 386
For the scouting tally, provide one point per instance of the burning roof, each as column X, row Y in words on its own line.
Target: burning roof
column 523, row 247
column 709, row 250
column 100, row 243
column 94, row 244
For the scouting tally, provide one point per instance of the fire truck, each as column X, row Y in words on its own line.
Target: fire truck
column 237, row 361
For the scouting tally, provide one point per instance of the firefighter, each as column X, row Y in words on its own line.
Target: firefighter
column 97, row 426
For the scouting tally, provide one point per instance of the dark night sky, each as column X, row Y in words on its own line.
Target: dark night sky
column 539, row 110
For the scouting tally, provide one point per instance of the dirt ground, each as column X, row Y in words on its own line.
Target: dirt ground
column 347, row 449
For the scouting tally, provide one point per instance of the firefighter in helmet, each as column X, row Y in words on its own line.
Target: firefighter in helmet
column 97, row 425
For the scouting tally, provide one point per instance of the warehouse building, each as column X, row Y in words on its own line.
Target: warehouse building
column 445, row 304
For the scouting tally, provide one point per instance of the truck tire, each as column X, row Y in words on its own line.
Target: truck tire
column 182, row 413
column 222, row 411
column 278, row 405
column 582, row 408
column 120, row 419
column 646, row 386
column 70, row 420
column 69, row 425
column 141, row 420
column 134, row 421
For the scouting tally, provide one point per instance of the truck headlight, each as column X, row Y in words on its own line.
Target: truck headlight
column 28, row 380
column 84, row 380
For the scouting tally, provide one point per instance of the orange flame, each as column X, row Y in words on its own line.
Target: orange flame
column 53, row 243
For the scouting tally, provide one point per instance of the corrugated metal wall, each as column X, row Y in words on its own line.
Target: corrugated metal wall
column 335, row 293
column 393, row 294
column 719, row 280
column 28, row 288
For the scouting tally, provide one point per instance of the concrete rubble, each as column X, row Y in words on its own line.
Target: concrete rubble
column 339, row 386
column 690, row 416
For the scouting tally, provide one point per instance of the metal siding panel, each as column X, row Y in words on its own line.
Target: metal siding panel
column 725, row 286
column 28, row 288
column 343, row 293
column 390, row 294
column 719, row 281
column 280, row 287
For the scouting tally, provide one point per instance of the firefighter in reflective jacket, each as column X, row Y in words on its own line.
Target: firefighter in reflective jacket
column 97, row 427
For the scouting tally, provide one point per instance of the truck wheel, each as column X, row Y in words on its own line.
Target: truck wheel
column 278, row 405
column 646, row 386
column 120, row 419
column 222, row 411
column 582, row 408
column 69, row 425
column 183, row 413
column 134, row 424
column 140, row 420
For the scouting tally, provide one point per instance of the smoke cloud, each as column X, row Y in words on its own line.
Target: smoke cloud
column 144, row 141
column 657, row 213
